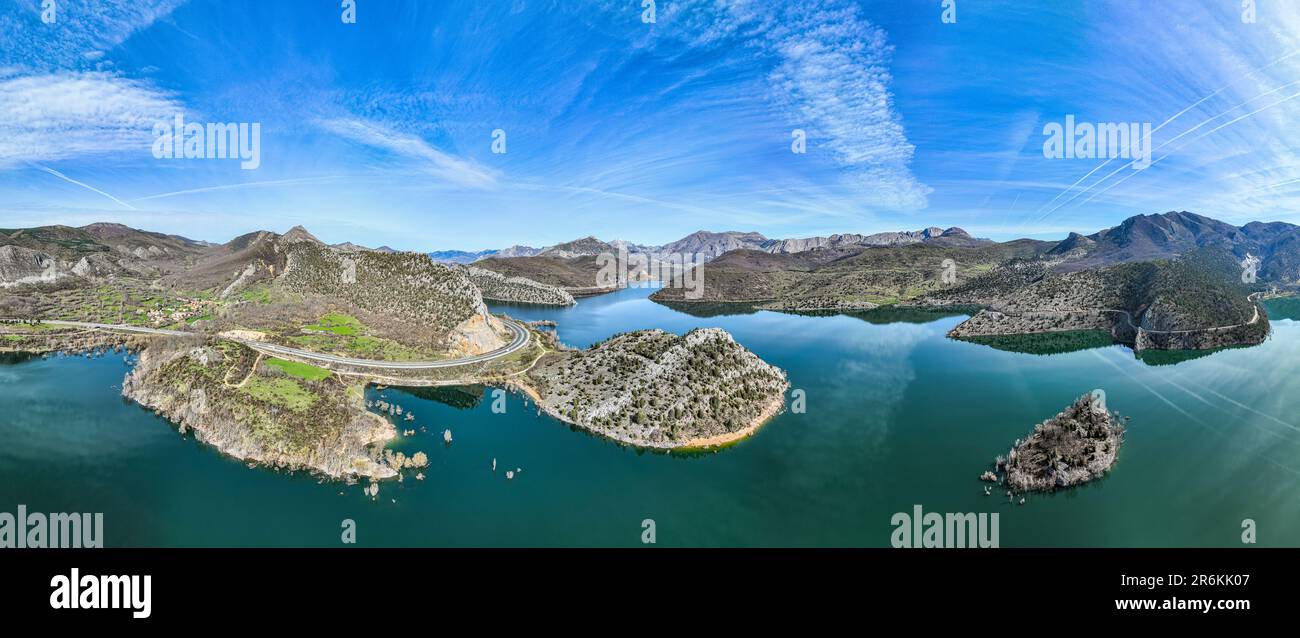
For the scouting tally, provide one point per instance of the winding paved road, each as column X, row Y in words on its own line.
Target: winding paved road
column 520, row 340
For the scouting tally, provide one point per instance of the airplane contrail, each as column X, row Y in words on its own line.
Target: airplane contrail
column 1162, row 125
column 82, row 184
column 1202, row 136
column 1111, row 159
column 223, row 187
column 1166, row 143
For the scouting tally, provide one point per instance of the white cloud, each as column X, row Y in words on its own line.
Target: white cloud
column 81, row 26
column 834, row 76
column 830, row 76
column 409, row 147
column 72, row 114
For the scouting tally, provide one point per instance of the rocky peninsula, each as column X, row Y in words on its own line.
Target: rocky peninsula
column 1194, row 301
column 498, row 287
column 285, row 416
column 659, row 390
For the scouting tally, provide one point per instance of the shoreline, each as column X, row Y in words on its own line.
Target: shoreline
column 593, row 291
column 991, row 323
column 770, row 411
column 174, row 414
column 206, row 413
column 773, row 408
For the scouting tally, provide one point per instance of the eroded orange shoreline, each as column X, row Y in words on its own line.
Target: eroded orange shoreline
column 771, row 409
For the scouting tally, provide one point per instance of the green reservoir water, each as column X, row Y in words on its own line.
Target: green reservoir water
column 897, row 415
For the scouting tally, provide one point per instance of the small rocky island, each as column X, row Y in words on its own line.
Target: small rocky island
column 1076, row 446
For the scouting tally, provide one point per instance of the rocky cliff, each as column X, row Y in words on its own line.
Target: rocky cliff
column 19, row 266
column 230, row 400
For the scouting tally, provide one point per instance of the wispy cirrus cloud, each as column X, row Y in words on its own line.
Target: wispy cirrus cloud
column 834, row 74
column 81, row 32
column 421, row 154
column 71, row 114
column 829, row 75
column 686, row 122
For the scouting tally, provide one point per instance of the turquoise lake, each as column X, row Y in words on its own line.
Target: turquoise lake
column 897, row 415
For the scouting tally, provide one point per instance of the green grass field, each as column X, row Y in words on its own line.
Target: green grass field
column 338, row 324
column 282, row 392
column 300, row 370
column 257, row 294
column 344, row 335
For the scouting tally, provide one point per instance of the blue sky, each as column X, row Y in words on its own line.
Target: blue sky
column 380, row 132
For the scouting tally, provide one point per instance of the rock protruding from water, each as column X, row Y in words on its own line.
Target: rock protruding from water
column 1076, row 446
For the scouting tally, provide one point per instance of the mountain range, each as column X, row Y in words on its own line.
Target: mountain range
column 748, row 266
column 104, row 249
column 1148, row 237
column 712, row 245
column 837, row 277
column 1138, row 238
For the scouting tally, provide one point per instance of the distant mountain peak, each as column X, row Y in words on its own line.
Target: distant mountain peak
column 349, row 247
column 578, row 248
column 517, row 251
column 846, row 240
column 107, row 226
column 460, row 256
column 1166, row 235
column 716, row 243
column 729, row 233
column 299, row 234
